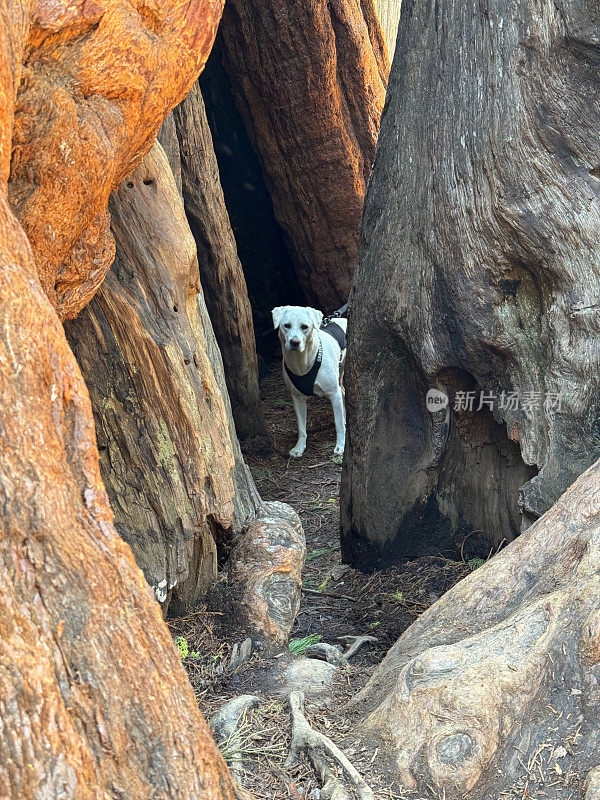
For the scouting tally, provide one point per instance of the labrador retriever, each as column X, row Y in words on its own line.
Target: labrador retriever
column 313, row 364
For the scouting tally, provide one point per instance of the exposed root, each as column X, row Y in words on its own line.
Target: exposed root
column 327, row 652
column 322, row 751
column 592, row 785
column 355, row 643
column 330, row 653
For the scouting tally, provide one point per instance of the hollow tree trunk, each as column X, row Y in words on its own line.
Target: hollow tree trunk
column 169, row 454
column 478, row 272
column 309, row 79
column 94, row 701
column 220, row 269
column 493, row 692
column 268, row 268
column 166, row 455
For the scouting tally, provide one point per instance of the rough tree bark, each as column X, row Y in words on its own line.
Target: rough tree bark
column 493, row 693
column 309, row 79
column 93, row 698
column 478, row 271
column 166, row 455
column 83, row 99
column 93, row 694
column 220, row 269
column 169, row 454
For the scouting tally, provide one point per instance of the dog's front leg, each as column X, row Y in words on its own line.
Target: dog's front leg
column 337, row 403
column 300, row 408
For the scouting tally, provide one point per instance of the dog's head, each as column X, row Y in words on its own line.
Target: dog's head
column 296, row 325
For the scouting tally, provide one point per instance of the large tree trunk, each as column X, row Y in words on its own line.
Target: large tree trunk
column 98, row 80
column 494, row 692
column 93, row 691
column 220, row 269
column 268, row 268
column 478, row 272
column 310, row 79
column 163, row 436
column 94, row 700
column 169, row 454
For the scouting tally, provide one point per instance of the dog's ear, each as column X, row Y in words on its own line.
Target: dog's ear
column 316, row 316
column 277, row 314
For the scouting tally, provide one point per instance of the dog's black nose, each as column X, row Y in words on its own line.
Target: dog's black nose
column 294, row 344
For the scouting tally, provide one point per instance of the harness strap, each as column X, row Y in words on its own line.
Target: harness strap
column 305, row 384
column 335, row 330
column 339, row 313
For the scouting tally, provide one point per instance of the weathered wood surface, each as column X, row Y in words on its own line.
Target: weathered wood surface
column 166, row 454
column 264, row 572
column 221, row 273
column 169, row 453
column 93, row 691
column 268, row 269
column 246, row 499
column 388, row 12
column 97, row 81
column 309, row 79
column 94, row 701
column 493, row 693
column 478, row 271
column 167, row 138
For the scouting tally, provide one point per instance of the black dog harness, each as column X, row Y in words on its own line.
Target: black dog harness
column 305, row 384
column 335, row 330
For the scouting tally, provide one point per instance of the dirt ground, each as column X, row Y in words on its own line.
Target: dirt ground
column 336, row 601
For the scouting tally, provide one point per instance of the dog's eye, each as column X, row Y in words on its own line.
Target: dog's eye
column 288, row 325
column 304, row 327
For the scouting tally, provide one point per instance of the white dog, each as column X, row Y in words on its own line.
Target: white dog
column 313, row 364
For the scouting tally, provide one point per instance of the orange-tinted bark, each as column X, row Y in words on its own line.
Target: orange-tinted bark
column 94, row 702
column 310, row 80
column 99, row 76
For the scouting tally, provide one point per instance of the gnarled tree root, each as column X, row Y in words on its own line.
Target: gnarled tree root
column 322, row 752
column 592, row 785
column 496, row 687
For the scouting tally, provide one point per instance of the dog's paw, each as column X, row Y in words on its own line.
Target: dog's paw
column 338, row 450
column 296, row 452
